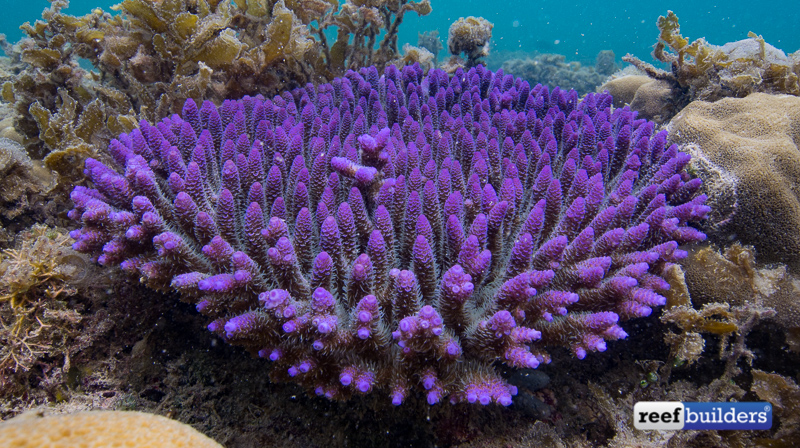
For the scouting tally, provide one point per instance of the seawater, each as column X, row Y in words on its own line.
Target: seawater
column 578, row 30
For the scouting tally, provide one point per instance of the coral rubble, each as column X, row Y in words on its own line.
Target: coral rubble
column 399, row 233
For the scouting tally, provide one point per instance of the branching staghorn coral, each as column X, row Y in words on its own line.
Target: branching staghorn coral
column 155, row 54
column 401, row 233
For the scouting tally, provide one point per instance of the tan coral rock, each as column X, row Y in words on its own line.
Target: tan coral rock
column 654, row 101
column 746, row 152
column 624, row 88
column 95, row 429
column 11, row 134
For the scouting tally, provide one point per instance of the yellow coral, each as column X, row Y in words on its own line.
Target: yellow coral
column 96, row 429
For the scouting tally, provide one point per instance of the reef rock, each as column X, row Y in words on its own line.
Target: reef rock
column 555, row 70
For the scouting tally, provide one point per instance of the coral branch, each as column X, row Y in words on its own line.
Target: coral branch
column 402, row 264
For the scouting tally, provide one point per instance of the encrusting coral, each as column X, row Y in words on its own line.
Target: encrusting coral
column 98, row 429
column 399, row 233
column 155, row 54
column 746, row 152
column 702, row 71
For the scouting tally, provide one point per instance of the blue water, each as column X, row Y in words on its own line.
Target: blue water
column 578, row 29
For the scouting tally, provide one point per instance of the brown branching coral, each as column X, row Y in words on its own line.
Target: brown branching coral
column 702, row 71
column 155, row 54
column 35, row 322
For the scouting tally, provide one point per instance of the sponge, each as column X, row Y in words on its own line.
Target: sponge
column 95, row 429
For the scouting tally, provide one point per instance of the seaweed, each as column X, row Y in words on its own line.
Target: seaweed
column 784, row 395
column 703, row 71
column 88, row 78
column 24, row 184
column 36, row 324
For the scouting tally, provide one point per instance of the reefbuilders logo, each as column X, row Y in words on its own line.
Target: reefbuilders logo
column 671, row 415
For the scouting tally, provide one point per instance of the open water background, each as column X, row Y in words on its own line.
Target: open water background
column 577, row 29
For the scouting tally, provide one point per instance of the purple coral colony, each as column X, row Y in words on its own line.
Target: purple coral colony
column 401, row 233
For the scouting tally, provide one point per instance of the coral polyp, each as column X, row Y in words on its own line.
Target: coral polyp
column 404, row 233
